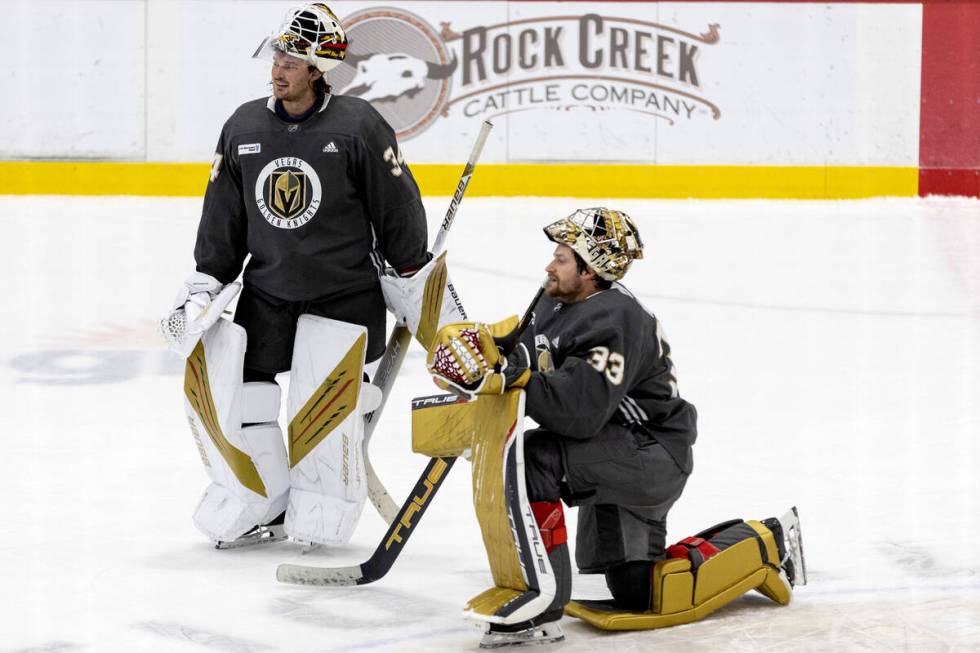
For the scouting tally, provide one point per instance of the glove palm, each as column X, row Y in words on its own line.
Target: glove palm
column 465, row 358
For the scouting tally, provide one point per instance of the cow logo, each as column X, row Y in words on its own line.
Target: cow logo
column 287, row 192
column 398, row 63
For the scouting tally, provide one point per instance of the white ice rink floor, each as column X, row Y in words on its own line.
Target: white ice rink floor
column 831, row 348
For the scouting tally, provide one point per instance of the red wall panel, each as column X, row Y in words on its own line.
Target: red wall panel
column 949, row 132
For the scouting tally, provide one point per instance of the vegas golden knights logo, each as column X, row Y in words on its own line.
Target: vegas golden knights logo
column 545, row 366
column 542, row 352
column 287, row 193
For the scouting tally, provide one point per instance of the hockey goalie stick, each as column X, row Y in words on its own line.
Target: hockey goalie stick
column 401, row 337
column 394, row 540
column 384, row 378
column 406, row 519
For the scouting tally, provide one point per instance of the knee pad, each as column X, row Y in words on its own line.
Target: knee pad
column 327, row 401
column 237, row 435
column 709, row 570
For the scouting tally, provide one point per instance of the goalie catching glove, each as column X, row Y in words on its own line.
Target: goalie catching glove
column 197, row 307
column 468, row 358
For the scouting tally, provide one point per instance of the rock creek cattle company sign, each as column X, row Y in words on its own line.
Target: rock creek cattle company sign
column 413, row 73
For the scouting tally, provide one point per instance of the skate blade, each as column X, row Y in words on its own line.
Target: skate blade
column 256, row 536
column 793, row 536
column 547, row 634
column 308, row 547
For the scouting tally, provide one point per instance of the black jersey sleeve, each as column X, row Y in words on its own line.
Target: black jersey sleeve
column 580, row 396
column 391, row 197
column 221, row 245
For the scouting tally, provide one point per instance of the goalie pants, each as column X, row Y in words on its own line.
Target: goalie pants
column 624, row 484
column 270, row 324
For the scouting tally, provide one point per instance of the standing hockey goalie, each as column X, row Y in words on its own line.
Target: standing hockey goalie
column 615, row 439
column 313, row 187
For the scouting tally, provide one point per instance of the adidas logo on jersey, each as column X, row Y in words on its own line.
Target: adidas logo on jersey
column 330, row 147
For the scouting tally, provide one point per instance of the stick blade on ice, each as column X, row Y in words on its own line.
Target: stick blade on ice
column 302, row 575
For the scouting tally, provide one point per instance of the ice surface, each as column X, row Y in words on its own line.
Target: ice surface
column 832, row 350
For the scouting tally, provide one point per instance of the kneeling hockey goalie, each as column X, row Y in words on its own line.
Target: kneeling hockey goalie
column 594, row 371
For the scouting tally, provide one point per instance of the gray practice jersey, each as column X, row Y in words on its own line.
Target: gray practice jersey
column 605, row 360
column 310, row 201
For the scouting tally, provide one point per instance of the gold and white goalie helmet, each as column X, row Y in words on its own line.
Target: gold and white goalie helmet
column 311, row 33
column 607, row 240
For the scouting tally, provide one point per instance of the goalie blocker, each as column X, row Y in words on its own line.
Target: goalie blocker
column 425, row 301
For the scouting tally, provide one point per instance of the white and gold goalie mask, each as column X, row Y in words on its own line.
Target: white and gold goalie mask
column 608, row 241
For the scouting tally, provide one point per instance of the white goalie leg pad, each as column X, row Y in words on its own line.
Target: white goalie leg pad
column 326, row 404
column 263, row 439
column 246, row 464
column 425, row 301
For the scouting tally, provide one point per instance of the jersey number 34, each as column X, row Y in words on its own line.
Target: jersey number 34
column 396, row 160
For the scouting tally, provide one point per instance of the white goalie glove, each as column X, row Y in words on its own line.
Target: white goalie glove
column 425, row 301
column 197, row 307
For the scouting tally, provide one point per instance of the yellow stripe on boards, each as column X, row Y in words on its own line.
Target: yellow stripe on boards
column 102, row 178
column 509, row 180
column 680, row 182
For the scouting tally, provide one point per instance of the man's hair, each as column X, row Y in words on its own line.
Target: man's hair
column 600, row 283
column 320, row 86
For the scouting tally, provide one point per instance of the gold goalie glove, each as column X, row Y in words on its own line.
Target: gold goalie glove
column 469, row 358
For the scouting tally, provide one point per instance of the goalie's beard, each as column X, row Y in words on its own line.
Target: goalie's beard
column 566, row 291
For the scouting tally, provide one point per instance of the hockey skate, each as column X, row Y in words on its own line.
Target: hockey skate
column 274, row 531
column 789, row 540
column 546, row 633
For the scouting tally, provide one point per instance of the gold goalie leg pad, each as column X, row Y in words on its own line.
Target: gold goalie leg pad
column 491, row 429
column 688, row 589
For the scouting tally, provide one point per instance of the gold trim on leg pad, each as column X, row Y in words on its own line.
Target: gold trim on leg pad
column 197, row 389
column 329, row 405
